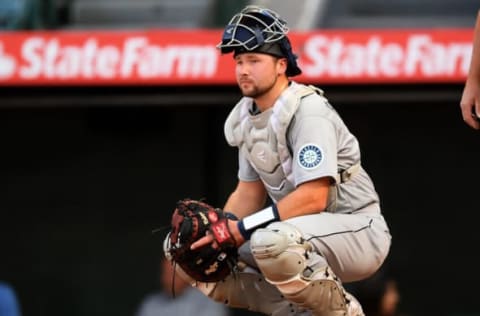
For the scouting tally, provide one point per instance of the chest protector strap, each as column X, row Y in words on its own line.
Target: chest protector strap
column 281, row 118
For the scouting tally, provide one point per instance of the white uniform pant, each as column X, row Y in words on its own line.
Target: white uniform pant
column 353, row 245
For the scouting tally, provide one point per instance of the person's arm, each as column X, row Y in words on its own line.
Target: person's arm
column 309, row 198
column 247, row 198
column 470, row 102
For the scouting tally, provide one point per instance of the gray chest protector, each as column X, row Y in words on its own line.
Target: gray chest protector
column 262, row 138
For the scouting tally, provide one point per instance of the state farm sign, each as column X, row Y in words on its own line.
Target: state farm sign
column 393, row 56
column 136, row 57
column 190, row 57
column 84, row 58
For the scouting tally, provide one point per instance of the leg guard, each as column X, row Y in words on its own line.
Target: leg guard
column 246, row 289
column 288, row 262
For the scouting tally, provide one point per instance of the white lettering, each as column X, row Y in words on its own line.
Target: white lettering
column 7, row 64
column 420, row 56
column 390, row 61
column 31, row 53
column 315, row 48
column 372, row 55
column 68, row 64
column 107, row 61
column 415, row 53
column 137, row 57
column 89, row 53
column 197, row 61
column 352, row 63
column 50, row 55
column 131, row 55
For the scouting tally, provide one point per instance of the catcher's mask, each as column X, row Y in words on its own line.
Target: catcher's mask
column 259, row 30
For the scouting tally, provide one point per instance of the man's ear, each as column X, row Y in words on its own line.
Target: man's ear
column 282, row 64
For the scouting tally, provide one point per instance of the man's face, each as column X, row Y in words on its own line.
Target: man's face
column 257, row 73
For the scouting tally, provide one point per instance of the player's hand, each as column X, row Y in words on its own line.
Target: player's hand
column 209, row 238
column 470, row 103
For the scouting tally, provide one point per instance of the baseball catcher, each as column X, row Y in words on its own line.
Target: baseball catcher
column 324, row 224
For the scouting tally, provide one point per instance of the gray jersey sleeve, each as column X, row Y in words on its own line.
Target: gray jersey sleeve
column 321, row 146
column 313, row 142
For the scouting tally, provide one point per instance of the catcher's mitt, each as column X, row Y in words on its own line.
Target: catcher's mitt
column 191, row 220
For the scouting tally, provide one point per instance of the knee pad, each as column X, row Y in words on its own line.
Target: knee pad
column 283, row 255
column 280, row 253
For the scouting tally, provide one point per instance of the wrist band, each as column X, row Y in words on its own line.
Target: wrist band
column 231, row 216
column 260, row 219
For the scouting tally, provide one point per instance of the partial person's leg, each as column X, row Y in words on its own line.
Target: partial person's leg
column 249, row 290
column 290, row 263
column 354, row 245
column 246, row 288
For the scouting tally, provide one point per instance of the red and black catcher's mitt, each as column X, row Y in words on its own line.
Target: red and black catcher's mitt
column 191, row 221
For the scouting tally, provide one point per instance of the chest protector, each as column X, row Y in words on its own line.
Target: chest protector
column 262, row 138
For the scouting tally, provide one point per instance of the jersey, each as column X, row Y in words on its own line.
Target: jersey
column 318, row 144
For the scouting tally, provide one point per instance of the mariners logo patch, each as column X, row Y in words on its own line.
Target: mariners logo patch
column 310, row 156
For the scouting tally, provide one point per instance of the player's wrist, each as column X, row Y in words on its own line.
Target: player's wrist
column 231, row 216
column 235, row 232
column 260, row 219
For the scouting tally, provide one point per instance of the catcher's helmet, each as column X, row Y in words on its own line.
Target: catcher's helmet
column 259, row 30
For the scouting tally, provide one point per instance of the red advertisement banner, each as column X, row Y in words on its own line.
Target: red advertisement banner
column 190, row 57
